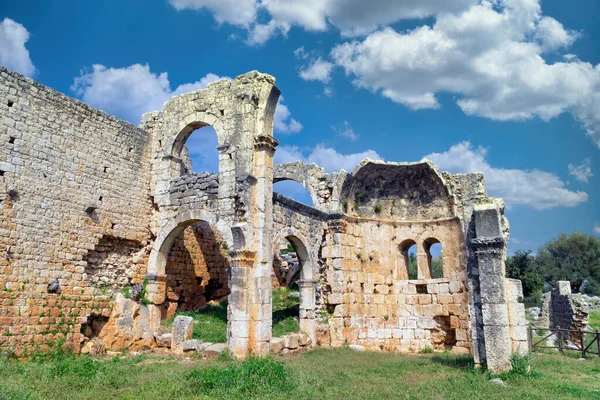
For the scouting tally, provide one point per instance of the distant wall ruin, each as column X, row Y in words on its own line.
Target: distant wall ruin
column 101, row 205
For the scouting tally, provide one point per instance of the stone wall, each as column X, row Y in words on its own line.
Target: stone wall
column 74, row 203
column 196, row 269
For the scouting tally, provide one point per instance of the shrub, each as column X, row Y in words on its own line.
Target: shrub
column 378, row 208
column 426, row 350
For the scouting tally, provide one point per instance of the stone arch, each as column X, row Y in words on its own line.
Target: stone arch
column 404, row 247
column 169, row 232
column 427, row 243
column 307, row 281
column 314, row 179
column 173, row 147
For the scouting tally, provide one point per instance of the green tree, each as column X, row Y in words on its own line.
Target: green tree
column 522, row 266
column 412, row 266
column 574, row 258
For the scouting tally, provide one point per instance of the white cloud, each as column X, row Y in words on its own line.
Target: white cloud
column 318, row 70
column 236, row 12
column 130, row 91
column 345, row 130
column 538, row 189
column 350, row 16
column 597, row 229
column 328, row 158
column 283, row 122
column 582, row 172
column 13, row 53
column 489, row 55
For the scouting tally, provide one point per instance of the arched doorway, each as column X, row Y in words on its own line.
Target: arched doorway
column 188, row 266
column 301, row 278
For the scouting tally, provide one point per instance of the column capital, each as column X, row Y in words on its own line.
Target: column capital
column 265, row 142
column 242, row 258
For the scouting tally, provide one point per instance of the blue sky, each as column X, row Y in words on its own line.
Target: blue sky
column 509, row 87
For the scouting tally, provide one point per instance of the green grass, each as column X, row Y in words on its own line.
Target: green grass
column 321, row 373
column 285, row 312
column 211, row 323
column 594, row 320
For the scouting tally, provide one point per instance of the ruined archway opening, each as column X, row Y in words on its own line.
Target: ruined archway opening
column 197, row 281
column 433, row 250
column 408, row 260
column 293, row 190
column 287, row 268
column 195, row 151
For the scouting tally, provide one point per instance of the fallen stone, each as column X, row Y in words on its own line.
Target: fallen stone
column 303, row 339
column 183, row 328
column 94, row 347
column 203, row 346
column 356, row 347
column 291, row 341
column 163, row 340
column 277, row 344
column 215, row 349
column 498, row 381
column 191, row 345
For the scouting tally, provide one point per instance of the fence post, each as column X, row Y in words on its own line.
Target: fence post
column 559, row 338
column 530, row 337
column 582, row 338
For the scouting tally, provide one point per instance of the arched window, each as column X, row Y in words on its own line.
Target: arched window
column 196, row 151
column 433, row 249
column 408, row 256
column 294, row 190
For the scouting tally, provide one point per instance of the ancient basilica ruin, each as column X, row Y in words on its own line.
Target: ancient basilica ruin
column 91, row 205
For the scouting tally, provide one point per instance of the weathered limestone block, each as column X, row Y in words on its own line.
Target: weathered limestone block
column 163, row 340
column 191, row 345
column 183, row 328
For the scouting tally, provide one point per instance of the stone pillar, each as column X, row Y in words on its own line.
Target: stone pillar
column 491, row 310
column 247, row 308
column 307, row 309
column 423, row 271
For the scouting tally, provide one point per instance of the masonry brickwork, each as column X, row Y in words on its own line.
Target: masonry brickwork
column 104, row 208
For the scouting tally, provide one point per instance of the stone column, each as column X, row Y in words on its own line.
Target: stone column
column 244, row 310
column 490, row 303
column 307, row 309
column 423, row 271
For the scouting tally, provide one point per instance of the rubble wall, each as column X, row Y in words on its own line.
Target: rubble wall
column 74, row 203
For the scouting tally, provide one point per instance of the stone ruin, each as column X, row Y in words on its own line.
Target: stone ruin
column 92, row 207
column 564, row 310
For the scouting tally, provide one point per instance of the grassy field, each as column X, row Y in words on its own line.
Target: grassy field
column 318, row 374
column 211, row 323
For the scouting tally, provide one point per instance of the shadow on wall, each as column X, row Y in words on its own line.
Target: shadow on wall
column 196, row 270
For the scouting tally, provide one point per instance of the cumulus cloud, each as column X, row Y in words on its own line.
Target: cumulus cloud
column 535, row 188
column 346, row 131
column 597, row 229
column 318, row 70
column 582, row 172
column 236, row 12
column 129, row 92
column 284, row 123
column 490, row 55
column 328, row 158
column 351, row 17
column 13, row 53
